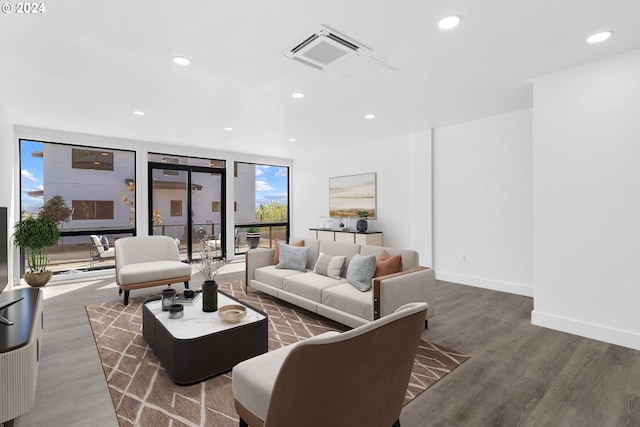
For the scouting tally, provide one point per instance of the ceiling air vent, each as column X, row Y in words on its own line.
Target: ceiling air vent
column 325, row 49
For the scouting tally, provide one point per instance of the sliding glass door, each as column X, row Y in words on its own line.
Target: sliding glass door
column 187, row 203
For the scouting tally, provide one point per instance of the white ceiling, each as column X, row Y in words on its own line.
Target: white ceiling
column 85, row 66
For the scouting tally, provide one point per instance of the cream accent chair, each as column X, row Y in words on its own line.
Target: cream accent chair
column 354, row 378
column 145, row 261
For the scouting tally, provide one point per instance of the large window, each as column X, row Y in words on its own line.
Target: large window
column 86, row 190
column 261, row 204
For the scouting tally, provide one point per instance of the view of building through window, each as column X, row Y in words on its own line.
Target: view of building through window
column 91, row 193
column 82, row 189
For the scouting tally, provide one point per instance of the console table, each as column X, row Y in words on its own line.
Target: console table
column 371, row 238
column 19, row 352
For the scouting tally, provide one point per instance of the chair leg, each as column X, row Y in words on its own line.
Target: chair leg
column 186, row 284
column 126, row 297
column 119, row 291
column 397, row 423
column 243, row 423
column 426, row 324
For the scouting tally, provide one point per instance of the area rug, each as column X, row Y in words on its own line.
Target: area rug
column 143, row 394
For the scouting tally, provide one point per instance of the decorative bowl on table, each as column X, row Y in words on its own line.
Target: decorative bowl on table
column 232, row 313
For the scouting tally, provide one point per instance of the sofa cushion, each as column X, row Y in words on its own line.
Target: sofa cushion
column 330, row 266
column 309, row 285
column 276, row 251
column 386, row 264
column 151, row 271
column 273, row 276
column 292, row 257
column 347, row 298
column 360, row 271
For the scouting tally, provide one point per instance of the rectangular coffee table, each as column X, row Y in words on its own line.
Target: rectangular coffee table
column 201, row 345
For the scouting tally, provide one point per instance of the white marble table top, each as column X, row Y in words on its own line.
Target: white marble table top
column 197, row 323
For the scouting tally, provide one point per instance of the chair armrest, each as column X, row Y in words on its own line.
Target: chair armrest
column 255, row 259
column 395, row 290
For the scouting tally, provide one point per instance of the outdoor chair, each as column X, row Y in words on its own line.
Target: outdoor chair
column 354, row 378
column 101, row 249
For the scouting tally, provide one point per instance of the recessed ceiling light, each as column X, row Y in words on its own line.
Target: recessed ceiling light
column 181, row 60
column 228, row 129
column 449, row 22
column 292, row 140
column 297, row 95
column 370, row 116
column 600, row 37
column 139, row 113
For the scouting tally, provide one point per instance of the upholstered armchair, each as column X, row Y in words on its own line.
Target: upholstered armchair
column 354, row 378
column 145, row 261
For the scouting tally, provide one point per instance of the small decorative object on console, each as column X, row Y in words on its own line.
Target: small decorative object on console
column 362, row 225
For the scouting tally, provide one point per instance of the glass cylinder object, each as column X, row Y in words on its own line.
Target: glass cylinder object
column 168, row 298
column 176, row 311
column 209, row 296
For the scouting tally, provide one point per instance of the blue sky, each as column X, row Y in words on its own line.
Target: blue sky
column 31, row 169
column 271, row 184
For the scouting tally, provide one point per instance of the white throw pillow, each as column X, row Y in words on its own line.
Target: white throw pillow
column 330, row 266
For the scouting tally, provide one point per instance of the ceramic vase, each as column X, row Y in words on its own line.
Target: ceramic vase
column 209, row 296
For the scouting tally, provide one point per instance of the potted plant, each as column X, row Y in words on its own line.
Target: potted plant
column 253, row 237
column 35, row 235
column 362, row 224
column 209, row 266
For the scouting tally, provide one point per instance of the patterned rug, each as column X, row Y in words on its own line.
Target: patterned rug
column 143, row 395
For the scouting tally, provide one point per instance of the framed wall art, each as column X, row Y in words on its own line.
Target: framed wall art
column 351, row 194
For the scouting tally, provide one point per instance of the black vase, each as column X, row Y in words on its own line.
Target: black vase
column 362, row 225
column 209, row 296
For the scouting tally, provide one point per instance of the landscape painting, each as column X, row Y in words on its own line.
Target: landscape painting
column 353, row 193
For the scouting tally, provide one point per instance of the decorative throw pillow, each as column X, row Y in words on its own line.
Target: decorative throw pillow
column 386, row 264
column 276, row 252
column 330, row 266
column 360, row 271
column 293, row 257
column 105, row 242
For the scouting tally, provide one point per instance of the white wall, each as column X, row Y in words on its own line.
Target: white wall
column 7, row 195
column 483, row 203
column 403, row 168
column 586, row 169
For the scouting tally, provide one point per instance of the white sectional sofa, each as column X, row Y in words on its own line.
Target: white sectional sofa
column 336, row 298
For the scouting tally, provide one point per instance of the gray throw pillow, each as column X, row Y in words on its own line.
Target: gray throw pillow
column 360, row 271
column 293, row 257
column 330, row 266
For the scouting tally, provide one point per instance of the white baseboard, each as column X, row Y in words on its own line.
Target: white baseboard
column 479, row 282
column 586, row 329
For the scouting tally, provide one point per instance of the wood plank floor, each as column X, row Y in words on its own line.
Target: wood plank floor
column 518, row 374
